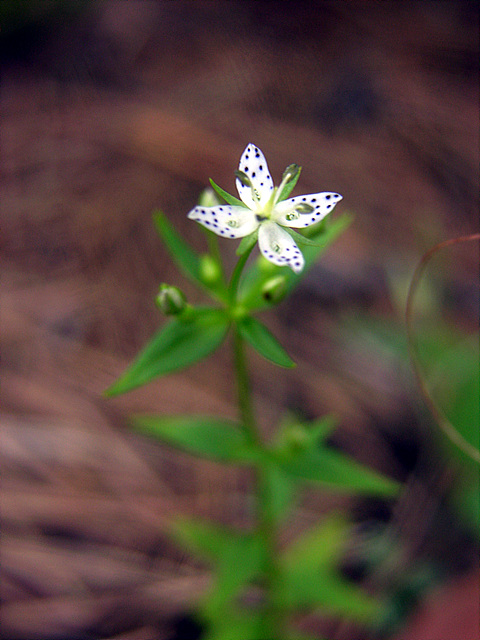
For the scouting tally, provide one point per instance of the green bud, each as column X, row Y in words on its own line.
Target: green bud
column 296, row 438
column 303, row 207
column 208, row 198
column 274, row 289
column 210, row 271
column 244, row 179
column 290, row 173
column 170, row 300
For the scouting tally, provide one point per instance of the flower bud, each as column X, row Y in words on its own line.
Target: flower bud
column 208, row 198
column 274, row 289
column 296, row 438
column 210, row 271
column 170, row 300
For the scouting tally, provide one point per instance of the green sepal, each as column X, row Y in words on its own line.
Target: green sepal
column 227, row 196
column 183, row 255
column 310, row 577
column 262, row 340
column 255, row 277
column 181, row 342
column 300, row 239
column 247, row 243
column 289, row 187
column 209, row 437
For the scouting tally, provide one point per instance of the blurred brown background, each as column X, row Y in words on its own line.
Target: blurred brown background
column 112, row 109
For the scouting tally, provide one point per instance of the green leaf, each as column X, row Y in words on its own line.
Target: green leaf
column 289, row 187
column 251, row 287
column 257, row 334
column 300, row 239
column 247, row 243
column 183, row 255
column 181, row 342
column 322, row 465
column 237, row 558
column 311, row 578
column 226, row 196
column 206, row 436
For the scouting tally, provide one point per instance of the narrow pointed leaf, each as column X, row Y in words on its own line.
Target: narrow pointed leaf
column 210, row 437
column 237, row 558
column 311, row 578
column 183, row 255
column 333, row 469
column 300, row 239
column 227, row 196
column 257, row 334
column 179, row 344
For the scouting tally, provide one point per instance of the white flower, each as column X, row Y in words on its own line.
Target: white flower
column 263, row 211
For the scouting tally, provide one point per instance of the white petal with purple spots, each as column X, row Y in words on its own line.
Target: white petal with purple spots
column 278, row 247
column 254, row 165
column 226, row 220
column 286, row 214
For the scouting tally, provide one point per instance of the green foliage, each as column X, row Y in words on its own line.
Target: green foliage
column 183, row 255
column 227, row 196
column 210, row 437
column 236, row 557
column 260, row 338
column 183, row 341
column 259, row 273
column 310, row 575
column 302, row 453
column 305, row 575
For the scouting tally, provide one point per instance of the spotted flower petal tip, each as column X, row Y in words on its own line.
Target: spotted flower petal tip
column 264, row 211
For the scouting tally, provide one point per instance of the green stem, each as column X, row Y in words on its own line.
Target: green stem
column 273, row 616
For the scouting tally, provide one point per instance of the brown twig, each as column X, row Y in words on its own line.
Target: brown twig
column 445, row 425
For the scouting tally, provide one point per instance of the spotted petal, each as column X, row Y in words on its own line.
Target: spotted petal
column 287, row 214
column 226, row 220
column 254, row 166
column 278, row 247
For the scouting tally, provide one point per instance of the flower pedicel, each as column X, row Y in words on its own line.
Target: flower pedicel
column 263, row 211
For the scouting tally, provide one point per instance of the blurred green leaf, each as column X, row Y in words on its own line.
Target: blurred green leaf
column 251, row 287
column 227, row 196
column 181, row 342
column 237, row 559
column 236, row 624
column 260, row 338
column 206, row 436
column 323, row 465
column 311, row 578
column 183, row 255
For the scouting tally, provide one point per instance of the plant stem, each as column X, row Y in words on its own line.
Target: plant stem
column 266, row 521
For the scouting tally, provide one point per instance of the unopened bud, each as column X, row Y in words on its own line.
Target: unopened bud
column 170, row 300
column 208, row 198
column 290, row 173
column 274, row 289
column 296, row 437
column 210, row 271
